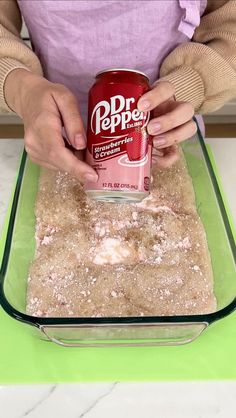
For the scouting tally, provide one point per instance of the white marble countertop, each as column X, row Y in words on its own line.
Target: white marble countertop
column 117, row 399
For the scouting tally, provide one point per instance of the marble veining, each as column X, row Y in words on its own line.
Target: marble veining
column 94, row 403
column 40, row 401
column 120, row 400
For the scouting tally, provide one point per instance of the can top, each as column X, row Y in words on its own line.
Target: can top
column 108, row 70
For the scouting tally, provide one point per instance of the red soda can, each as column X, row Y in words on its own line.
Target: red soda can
column 119, row 147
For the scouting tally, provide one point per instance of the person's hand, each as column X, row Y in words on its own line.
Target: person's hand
column 171, row 124
column 46, row 108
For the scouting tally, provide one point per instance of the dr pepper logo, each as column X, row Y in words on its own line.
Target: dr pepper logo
column 117, row 115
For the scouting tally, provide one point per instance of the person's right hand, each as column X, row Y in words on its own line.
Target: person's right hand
column 46, row 108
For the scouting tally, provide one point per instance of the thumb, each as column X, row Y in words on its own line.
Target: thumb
column 71, row 117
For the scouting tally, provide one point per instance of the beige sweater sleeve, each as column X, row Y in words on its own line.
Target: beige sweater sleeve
column 204, row 70
column 14, row 53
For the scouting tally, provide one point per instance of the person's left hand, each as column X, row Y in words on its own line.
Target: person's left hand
column 171, row 124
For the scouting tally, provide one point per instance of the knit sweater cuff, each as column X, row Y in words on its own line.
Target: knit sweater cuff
column 6, row 66
column 188, row 85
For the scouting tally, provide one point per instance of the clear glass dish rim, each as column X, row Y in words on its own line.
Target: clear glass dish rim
column 112, row 321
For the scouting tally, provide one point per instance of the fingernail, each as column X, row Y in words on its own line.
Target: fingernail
column 159, row 141
column 158, row 153
column 91, row 177
column 144, row 104
column 80, row 141
column 154, row 127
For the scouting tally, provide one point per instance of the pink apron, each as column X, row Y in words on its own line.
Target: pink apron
column 76, row 39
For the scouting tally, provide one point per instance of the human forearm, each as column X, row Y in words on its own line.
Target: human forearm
column 204, row 71
column 13, row 52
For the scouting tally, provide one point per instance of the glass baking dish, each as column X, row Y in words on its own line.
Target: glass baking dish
column 130, row 331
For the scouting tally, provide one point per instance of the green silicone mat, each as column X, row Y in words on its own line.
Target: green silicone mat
column 26, row 359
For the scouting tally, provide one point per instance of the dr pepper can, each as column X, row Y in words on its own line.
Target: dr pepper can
column 119, row 147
